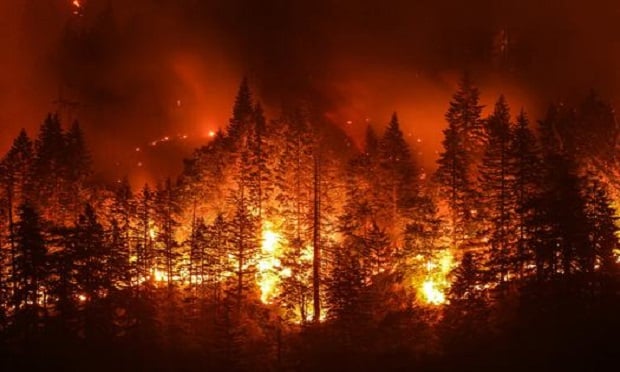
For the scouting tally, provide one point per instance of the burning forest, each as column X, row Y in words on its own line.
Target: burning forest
column 303, row 235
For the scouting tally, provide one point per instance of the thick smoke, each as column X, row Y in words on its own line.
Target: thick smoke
column 143, row 69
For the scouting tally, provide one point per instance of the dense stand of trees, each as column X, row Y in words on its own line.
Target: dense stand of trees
column 275, row 248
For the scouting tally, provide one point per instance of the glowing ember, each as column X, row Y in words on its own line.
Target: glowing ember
column 77, row 7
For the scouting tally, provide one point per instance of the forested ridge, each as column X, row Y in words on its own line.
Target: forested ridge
column 282, row 246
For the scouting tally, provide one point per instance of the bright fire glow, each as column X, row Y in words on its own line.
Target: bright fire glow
column 432, row 294
column 269, row 264
column 159, row 276
column 436, row 282
column 77, row 6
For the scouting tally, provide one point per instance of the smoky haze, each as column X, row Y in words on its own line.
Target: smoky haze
column 136, row 71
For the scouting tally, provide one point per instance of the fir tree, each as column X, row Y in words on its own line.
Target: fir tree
column 496, row 183
column 30, row 268
column 399, row 175
column 49, row 168
column 243, row 115
column 525, row 152
column 77, row 168
column 244, row 248
column 16, row 179
column 166, row 210
column 452, row 175
column 603, row 230
column 146, row 233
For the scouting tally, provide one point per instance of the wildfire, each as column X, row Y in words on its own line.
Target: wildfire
column 436, row 282
column 269, row 264
column 432, row 294
column 159, row 276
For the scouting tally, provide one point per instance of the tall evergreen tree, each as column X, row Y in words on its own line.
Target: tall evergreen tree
column 77, row 168
column 146, row 234
column 30, row 269
column 244, row 248
column 525, row 152
column 166, row 210
column 456, row 174
column 16, row 179
column 602, row 236
column 122, row 234
column 399, row 174
column 92, row 274
column 48, row 166
column 497, row 190
column 259, row 176
column 243, row 115
column 454, row 182
column 560, row 226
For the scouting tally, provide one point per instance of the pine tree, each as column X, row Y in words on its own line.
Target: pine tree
column 259, row 176
column 525, row 151
column 465, row 115
column 216, row 259
column 347, row 287
column 399, row 177
column 92, row 273
column 294, row 175
column 296, row 288
column 120, row 266
column 423, row 237
column 16, row 179
column 454, row 183
column 466, row 315
column 146, row 233
column 122, row 234
column 496, row 184
column 243, row 115
column 48, row 166
column 30, row 269
column 603, row 231
column 62, row 286
column 295, row 181
column 166, row 210
column 244, row 247
column 456, row 174
column 198, row 263
column 317, row 246
column 560, row 226
column 77, row 169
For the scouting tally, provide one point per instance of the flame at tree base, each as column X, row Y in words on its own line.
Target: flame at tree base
column 269, row 265
column 436, row 282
